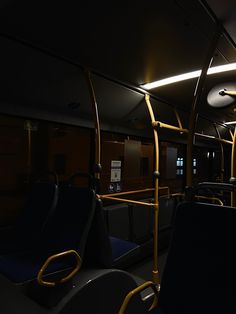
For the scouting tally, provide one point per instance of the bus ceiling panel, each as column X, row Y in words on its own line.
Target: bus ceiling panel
column 204, row 20
column 205, row 127
column 114, row 101
column 34, row 79
column 225, row 50
column 225, row 11
column 179, row 94
column 122, row 105
column 132, row 43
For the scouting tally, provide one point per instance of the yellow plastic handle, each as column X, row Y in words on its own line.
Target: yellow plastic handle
column 131, row 294
column 63, row 280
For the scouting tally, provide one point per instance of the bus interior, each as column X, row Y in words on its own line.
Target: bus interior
column 117, row 157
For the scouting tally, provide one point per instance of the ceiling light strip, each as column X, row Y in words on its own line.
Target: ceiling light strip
column 189, row 75
column 230, row 123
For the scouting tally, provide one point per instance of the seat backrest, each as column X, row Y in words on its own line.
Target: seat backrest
column 68, row 227
column 105, row 251
column 200, row 272
column 41, row 202
column 98, row 250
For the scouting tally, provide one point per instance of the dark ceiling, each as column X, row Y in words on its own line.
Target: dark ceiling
column 120, row 43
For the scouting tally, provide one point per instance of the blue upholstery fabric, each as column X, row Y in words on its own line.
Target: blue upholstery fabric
column 22, row 268
column 66, row 229
column 200, row 272
column 98, row 252
column 105, row 251
column 41, row 202
column 121, row 247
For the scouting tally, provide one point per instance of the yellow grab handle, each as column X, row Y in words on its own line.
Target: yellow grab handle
column 129, row 296
column 63, row 280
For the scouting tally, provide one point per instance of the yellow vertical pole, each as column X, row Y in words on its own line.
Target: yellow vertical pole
column 196, row 99
column 98, row 167
column 222, row 156
column 233, row 168
column 155, row 273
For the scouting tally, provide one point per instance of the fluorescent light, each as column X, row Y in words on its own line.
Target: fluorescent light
column 222, row 68
column 189, row 75
column 229, row 123
column 172, row 79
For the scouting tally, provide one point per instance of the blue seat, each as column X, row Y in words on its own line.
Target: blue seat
column 40, row 204
column 105, row 251
column 200, row 273
column 67, row 228
column 123, row 250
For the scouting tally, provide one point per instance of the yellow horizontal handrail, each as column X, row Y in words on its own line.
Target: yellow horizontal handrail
column 63, row 280
column 172, row 195
column 124, row 200
column 113, row 196
column 177, row 194
column 135, row 191
column 129, row 192
column 211, row 137
column 169, row 126
column 199, row 197
column 131, row 294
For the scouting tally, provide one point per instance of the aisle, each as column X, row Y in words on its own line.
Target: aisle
column 144, row 269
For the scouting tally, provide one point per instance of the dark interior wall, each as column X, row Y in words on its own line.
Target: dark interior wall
column 39, row 148
column 14, row 166
column 68, row 149
column 29, row 149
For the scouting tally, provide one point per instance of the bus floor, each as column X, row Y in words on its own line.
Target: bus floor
column 142, row 271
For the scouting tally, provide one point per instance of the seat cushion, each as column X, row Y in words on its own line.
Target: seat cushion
column 122, row 248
